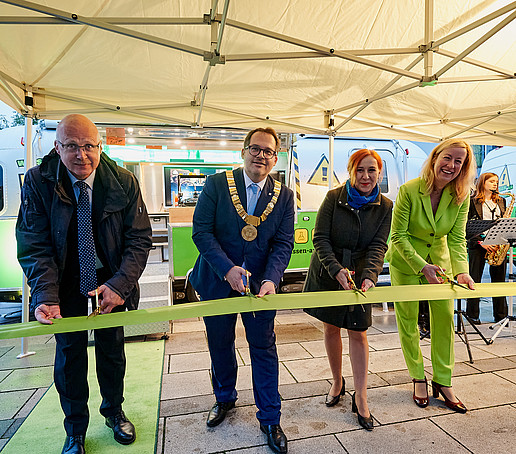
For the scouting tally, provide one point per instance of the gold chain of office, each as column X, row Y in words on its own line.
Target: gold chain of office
column 249, row 232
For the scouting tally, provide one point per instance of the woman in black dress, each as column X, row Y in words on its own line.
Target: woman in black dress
column 350, row 233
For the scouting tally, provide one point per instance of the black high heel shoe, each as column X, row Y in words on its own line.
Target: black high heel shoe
column 420, row 401
column 334, row 400
column 366, row 423
column 458, row 406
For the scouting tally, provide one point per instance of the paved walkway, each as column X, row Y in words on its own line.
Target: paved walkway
column 487, row 387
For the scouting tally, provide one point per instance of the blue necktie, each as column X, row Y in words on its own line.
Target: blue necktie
column 88, row 274
column 253, row 198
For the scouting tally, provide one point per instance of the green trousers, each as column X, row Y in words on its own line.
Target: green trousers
column 442, row 332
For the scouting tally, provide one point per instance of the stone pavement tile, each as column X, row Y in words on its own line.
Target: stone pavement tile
column 461, row 352
column 327, row 444
column 317, row 348
column 200, row 404
column 44, row 357
column 396, row 377
column 32, row 377
column 386, row 360
column 14, row 427
column 509, row 374
column 484, row 390
column 244, row 377
column 4, row 350
column 4, row 425
column 185, row 362
column 285, row 352
column 159, row 438
column 307, row 389
column 188, row 326
column 492, row 364
column 31, row 403
column 34, row 342
column 3, row 442
column 314, row 369
column 373, row 381
column 185, row 384
column 310, row 417
column 392, row 404
column 385, row 323
column 186, row 343
column 372, row 331
column 511, row 358
column 500, row 347
column 464, row 368
column 290, row 317
column 297, row 332
column 489, row 430
column 240, row 429
column 384, row 341
column 3, row 374
column 402, row 438
column 11, row 402
column 186, row 405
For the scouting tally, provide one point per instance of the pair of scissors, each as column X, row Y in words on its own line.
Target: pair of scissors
column 353, row 285
column 453, row 282
column 247, row 290
column 97, row 307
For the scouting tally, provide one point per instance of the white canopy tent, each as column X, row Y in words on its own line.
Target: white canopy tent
column 419, row 70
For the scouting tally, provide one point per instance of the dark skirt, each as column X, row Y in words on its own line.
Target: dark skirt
column 356, row 317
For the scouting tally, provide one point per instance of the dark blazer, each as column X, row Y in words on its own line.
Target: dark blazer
column 217, row 234
column 475, row 212
column 345, row 237
column 123, row 231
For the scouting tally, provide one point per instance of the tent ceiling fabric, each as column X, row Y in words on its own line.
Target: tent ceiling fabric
column 115, row 62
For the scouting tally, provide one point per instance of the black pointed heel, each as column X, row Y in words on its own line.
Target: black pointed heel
column 331, row 401
column 366, row 423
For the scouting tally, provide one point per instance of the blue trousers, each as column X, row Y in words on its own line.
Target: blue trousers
column 259, row 331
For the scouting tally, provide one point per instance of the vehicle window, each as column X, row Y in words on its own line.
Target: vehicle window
column 384, row 184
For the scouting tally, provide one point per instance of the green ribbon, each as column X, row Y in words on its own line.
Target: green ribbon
column 252, row 304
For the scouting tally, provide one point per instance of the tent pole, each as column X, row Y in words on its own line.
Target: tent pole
column 25, row 289
column 429, row 36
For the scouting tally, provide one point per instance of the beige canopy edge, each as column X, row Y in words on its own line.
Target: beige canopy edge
column 351, row 68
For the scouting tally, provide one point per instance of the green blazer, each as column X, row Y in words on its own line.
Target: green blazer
column 418, row 237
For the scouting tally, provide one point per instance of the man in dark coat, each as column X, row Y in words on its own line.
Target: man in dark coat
column 50, row 234
column 232, row 240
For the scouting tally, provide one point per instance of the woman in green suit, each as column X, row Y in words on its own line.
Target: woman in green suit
column 428, row 232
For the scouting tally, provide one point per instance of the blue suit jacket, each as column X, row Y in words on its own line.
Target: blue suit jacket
column 217, row 235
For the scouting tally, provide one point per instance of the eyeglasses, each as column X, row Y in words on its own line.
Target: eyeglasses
column 254, row 150
column 74, row 148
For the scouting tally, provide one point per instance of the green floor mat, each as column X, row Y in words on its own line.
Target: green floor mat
column 43, row 430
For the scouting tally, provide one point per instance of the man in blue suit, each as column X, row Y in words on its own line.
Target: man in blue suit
column 244, row 224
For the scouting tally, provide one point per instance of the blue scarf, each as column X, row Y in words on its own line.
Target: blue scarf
column 356, row 200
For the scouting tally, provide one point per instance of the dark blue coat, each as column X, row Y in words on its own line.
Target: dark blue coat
column 124, row 231
column 217, row 235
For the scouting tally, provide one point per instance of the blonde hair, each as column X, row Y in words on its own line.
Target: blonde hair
column 463, row 182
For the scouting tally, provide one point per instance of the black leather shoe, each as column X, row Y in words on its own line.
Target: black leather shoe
column 123, row 429
column 218, row 413
column 74, row 445
column 475, row 321
column 331, row 401
column 366, row 423
column 276, row 439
